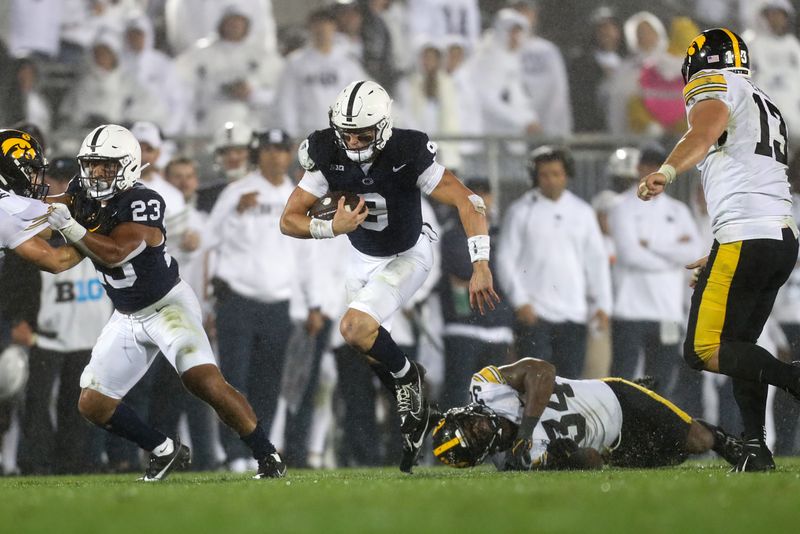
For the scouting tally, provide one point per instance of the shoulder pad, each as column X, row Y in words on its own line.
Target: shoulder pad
column 305, row 158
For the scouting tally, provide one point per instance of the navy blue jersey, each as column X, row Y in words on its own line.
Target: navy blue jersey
column 389, row 187
column 152, row 273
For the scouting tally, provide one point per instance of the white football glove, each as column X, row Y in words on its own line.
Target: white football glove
column 61, row 219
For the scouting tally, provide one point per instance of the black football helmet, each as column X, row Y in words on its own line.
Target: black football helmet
column 22, row 164
column 466, row 435
column 717, row 48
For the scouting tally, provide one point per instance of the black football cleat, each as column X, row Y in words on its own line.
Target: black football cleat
column 411, row 404
column 412, row 443
column 756, row 457
column 725, row 445
column 271, row 467
column 161, row 466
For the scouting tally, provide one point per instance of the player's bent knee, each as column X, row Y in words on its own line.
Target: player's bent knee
column 204, row 381
column 357, row 331
column 698, row 355
column 96, row 407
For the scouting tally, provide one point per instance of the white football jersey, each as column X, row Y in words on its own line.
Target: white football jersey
column 585, row 410
column 21, row 218
column 744, row 173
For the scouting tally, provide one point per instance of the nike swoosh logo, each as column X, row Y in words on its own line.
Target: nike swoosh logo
column 395, row 169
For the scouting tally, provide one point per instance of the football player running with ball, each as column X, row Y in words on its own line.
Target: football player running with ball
column 388, row 168
column 738, row 139
column 153, row 309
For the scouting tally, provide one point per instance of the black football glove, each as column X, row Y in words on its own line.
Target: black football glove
column 519, row 457
column 560, row 452
column 90, row 214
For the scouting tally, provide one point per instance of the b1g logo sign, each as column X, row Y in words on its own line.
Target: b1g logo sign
column 79, row 291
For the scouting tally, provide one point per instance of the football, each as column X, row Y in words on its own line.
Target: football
column 325, row 207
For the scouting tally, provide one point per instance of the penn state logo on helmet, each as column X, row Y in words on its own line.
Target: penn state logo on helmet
column 111, row 161
column 363, row 109
column 717, row 48
column 22, row 164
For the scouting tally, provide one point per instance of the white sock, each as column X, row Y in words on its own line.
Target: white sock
column 168, row 447
column 404, row 371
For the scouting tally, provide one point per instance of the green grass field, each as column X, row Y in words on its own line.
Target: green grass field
column 696, row 497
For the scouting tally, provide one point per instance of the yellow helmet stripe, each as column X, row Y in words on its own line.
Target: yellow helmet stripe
column 737, row 57
column 438, row 426
column 446, row 446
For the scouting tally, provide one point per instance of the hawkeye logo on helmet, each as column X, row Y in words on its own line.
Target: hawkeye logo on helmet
column 19, row 147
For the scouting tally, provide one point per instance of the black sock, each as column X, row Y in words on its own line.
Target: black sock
column 126, row 424
column 386, row 351
column 258, row 442
column 752, row 400
column 383, row 374
column 748, row 361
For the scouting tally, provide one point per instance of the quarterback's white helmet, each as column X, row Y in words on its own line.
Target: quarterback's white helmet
column 622, row 163
column 361, row 106
column 13, row 371
column 232, row 135
column 110, row 142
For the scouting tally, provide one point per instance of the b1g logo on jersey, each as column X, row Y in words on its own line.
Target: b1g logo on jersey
column 79, row 291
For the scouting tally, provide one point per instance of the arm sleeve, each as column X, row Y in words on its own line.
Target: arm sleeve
column 315, row 183
column 509, row 250
column 596, row 267
column 630, row 253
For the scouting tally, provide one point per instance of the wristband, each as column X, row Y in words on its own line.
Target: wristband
column 478, row 248
column 321, row 229
column 669, row 172
column 526, row 426
column 73, row 232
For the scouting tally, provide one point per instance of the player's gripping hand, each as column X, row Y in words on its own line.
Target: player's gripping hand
column 519, row 457
column 481, row 288
column 560, row 452
column 345, row 221
column 61, row 219
column 651, row 186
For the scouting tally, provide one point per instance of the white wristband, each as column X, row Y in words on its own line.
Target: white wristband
column 478, row 248
column 321, row 229
column 73, row 232
column 669, row 172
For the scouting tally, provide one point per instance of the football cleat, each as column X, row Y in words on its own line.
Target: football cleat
column 161, row 466
column 412, row 443
column 756, row 456
column 411, row 404
column 271, row 467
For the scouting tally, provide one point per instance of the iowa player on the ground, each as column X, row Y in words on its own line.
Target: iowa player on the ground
column 23, row 213
column 388, row 167
column 738, row 140
column 534, row 419
column 153, row 309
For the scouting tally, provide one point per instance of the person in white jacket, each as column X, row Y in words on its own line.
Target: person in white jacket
column 553, row 265
column 775, row 53
column 497, row 72
column 231, row 78
column 653, row 244
column 313, row 77
column 155, row 71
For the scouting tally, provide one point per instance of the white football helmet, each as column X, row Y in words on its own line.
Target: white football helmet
column 110, row 142
column 622, row 163
column 232, row 135
column 361, row 106
column 13, row 371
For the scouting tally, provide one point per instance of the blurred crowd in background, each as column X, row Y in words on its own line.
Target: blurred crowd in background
column 220, row 92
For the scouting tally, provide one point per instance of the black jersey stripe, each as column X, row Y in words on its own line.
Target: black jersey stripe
column 352, row 100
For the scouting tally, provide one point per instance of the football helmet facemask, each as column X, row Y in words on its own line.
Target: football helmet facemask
column 111, row 161
column 466, row 435
column 717, row 48
column 22, row 164
column 363, row 109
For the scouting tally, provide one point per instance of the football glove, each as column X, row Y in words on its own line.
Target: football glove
column 560, row 452
column 519, row 457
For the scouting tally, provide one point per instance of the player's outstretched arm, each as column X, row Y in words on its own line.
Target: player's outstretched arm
column 708, row 120
column 472, row 212
column 51, row 259
column 125, row 242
